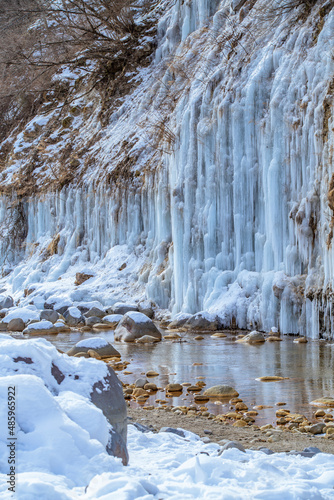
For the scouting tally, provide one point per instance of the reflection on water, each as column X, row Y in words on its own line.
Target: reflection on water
column 310, row 368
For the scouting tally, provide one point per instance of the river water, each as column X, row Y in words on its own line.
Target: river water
column 309, row 368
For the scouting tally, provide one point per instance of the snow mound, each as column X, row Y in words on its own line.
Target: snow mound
column 93, row 343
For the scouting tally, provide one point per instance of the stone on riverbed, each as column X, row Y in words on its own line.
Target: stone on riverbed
column 326, row 401
column 253, row 337
column 224, row 391
column 147, row 339
column 135, row 325
column 101, row 346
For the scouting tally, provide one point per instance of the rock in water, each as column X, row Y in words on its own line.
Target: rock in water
column 223, row 391
column 253, row 337
column 101, row 346
column 40, row 327
column 135, row 325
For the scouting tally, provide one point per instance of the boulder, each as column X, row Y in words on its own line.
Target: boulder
column 16, row 325
column 135, row 325
column 108, row 396
column 179, row 321
column 101, row 346
column 146, row 308
column 6, row 301
column 61, row 327
column 58, row 304
column 202, row 321
column 253, row 337
column 40, row 327
column 112, row 319
column 73, row 316
column 86, row 306
column 92, row 320
column 50, row 315
column 120, row 308
column 27, row 314
column 223, row 391
column 95, row 311
column 231, row 444
column 117, row 447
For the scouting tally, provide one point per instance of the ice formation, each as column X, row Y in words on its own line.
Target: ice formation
column 229, row 213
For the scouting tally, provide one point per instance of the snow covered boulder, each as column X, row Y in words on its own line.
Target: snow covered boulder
column 40, row 327
column 50, row 315
column 27, row 314
column 92, row 320
column 146, row 308
column 112, row 320
column 67, row 407
column 6, row 301
column 253, row 337
column 58, row 304
column 135, row 325
column 95, row 311
column 101, row 346
column 73, row 316
column 179, row 320
column 202, row 321
column 120, row 308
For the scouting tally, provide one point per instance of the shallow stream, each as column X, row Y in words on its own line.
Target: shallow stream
column 309, row 368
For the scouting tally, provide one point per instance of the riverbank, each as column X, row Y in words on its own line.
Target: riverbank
column 250, row 437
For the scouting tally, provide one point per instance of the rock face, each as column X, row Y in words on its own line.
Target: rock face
column 108, row 396
column 222, row 391
column 101, row 346
column 135, row 325
column 253, row 337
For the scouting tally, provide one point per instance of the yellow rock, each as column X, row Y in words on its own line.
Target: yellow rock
column 93, row 354
column 199, row 337
column 271, row 378
column 266, row 427
column 152, row 373
column 174, row 388
column 240, row 423
column 241, row 407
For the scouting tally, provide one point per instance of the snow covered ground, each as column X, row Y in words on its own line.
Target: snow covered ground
column 61, row 437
